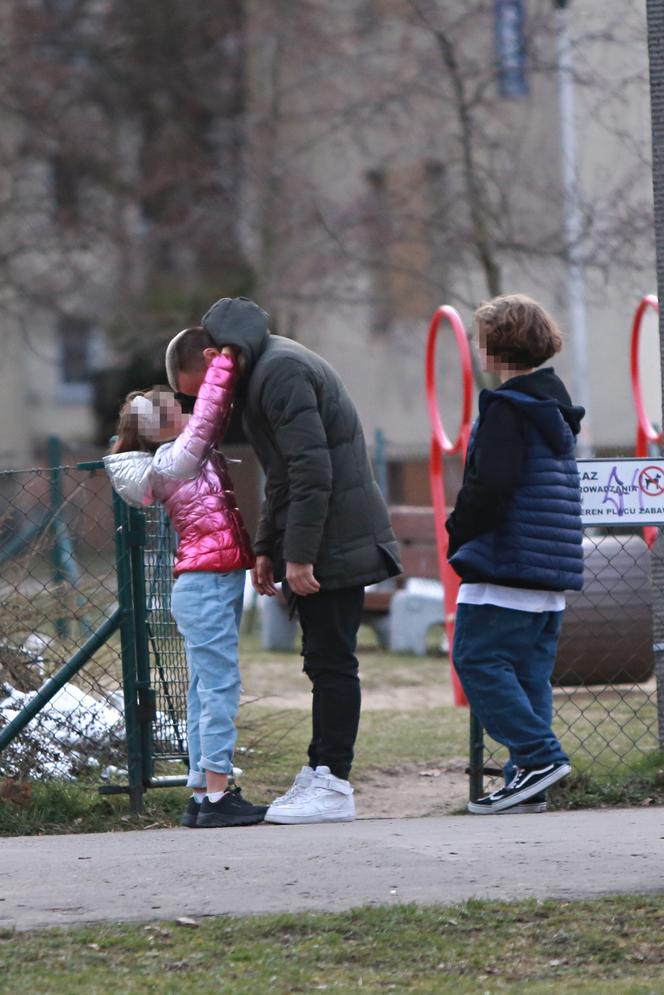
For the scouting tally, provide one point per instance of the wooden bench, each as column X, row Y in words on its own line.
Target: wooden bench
column 414, row 528
column 399, row 617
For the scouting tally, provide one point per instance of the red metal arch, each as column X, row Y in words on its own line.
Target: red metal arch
column 645, row 430
column 461, row 442
column 442, row 445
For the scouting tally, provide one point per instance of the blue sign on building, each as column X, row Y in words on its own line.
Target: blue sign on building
column 510, row 19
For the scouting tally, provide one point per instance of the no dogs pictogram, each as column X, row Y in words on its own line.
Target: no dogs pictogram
column 651, row 481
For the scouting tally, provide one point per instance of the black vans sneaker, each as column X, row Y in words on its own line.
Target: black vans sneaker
column 527, row 783
column 231, row 810
column 190, row 814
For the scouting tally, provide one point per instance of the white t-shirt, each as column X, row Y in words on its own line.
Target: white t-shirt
column 517, row 598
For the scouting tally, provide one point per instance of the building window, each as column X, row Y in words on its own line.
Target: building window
column 366, row 16
column 65, row 175
column 79, row 354
column 379, row 244
column 510, row 22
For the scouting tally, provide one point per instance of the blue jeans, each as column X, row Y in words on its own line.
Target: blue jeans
column 207, row 608
column 504, row 659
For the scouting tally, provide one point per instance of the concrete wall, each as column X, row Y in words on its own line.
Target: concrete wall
column 15, row 419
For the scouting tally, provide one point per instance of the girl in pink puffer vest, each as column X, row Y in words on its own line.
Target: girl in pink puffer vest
column 189, row 477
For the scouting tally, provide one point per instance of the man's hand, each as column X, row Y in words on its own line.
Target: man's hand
column 301, row 580
column 262, row 576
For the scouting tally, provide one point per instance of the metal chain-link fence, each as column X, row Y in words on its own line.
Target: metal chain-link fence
column 65, row 543
column 167, row 660
column 604, row 698
column 58, row 584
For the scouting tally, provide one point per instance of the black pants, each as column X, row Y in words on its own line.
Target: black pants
column 330, row 620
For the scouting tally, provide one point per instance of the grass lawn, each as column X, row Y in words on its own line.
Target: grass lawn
column 606, row 947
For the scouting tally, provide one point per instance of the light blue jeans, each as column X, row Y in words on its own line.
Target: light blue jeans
column 207, row 608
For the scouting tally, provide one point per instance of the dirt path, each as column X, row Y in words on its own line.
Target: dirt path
column 412, row 789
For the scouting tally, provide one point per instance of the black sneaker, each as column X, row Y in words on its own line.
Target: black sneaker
column 527, row 783
column 231, row 810
column 190, row 814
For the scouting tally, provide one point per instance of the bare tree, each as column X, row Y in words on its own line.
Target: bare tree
column 121, row 157
column 393, row 154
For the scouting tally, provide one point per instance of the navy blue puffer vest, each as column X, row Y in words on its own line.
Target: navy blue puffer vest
column 539, row 544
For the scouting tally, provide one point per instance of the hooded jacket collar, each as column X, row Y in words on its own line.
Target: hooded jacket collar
column 545, row 385
column 239, row 322
column 543, row 399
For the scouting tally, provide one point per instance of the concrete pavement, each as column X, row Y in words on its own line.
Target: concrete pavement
column 162, row 874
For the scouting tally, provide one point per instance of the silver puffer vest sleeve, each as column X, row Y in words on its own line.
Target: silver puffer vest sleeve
column 130, row 477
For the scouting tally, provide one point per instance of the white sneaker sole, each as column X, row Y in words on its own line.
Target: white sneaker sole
column 532, row 808
column 283, row 819
column 505, row 806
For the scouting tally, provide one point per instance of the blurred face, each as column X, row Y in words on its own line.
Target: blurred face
column 489, row 363
column 493, row 364
column 171, row 419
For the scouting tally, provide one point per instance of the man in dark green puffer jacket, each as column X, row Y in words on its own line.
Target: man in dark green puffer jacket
column 324, row 527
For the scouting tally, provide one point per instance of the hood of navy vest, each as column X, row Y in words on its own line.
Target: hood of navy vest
column 545, row 414
column 545, row 385
column 239, row 322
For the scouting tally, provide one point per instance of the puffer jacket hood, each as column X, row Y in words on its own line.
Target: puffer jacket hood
column 544, row 415
column 190, row 478
column 239, row 322
column 545, row 385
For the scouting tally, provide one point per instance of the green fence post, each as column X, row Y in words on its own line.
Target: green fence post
column 128, row 645
column 54, row 451
column 147, row 697
column 476, row 759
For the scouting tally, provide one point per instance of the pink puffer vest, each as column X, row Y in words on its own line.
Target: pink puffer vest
column 190, row 478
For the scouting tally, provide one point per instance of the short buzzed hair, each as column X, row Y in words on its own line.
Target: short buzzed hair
column 185, row 352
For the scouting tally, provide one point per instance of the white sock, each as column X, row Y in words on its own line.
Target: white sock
column 216, row 796
column 198, row 796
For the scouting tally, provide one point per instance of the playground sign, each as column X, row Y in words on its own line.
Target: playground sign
column 621, row 491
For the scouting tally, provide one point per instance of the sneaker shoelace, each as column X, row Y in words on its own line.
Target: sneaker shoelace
column 521, row 773
column 516, row 780
column 296, row 789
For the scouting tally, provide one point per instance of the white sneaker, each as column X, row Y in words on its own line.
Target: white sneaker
column 300, row 784
column 326, row 799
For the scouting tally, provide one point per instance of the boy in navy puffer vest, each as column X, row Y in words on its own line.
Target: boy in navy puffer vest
column 515, row 539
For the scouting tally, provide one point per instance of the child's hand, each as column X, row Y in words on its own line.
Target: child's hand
column 262, row 576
